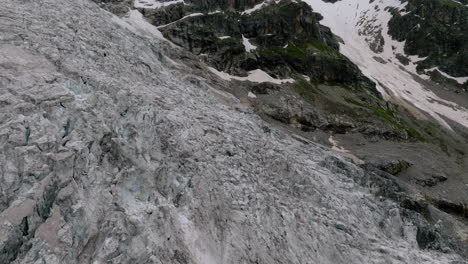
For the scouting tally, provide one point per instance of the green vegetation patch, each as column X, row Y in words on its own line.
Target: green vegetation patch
column 302, row 50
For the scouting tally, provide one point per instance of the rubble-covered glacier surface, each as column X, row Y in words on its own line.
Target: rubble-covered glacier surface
column 112, row 155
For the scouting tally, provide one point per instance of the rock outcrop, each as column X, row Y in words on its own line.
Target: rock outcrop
column 287, row 37
column 437, row 31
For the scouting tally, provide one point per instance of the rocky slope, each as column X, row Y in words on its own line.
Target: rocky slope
column 285, row 40
column 364, row 29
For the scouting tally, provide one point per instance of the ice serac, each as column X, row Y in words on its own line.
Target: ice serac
column 363, row 26
column 110, row 154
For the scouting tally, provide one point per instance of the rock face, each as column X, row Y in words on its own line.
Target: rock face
column 112, row 153
column 437, row 31
column 287, row 37
column 395, row 166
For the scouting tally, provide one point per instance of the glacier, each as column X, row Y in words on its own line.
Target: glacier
column 113, row 153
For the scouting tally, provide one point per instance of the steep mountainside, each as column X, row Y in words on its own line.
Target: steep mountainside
column 196, row 132
column 317, row 92
column 436, row 30
column 287, row 40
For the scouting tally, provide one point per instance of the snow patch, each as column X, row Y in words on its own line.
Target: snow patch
column 259, row 6
column 185, row 17
column 335, row 146
column 257, row 76
column 191, row 15
column 255, row 8
column 458, row 2
column 248, row 46
column 215, row 12
column 153, row 4
column 343, row 151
